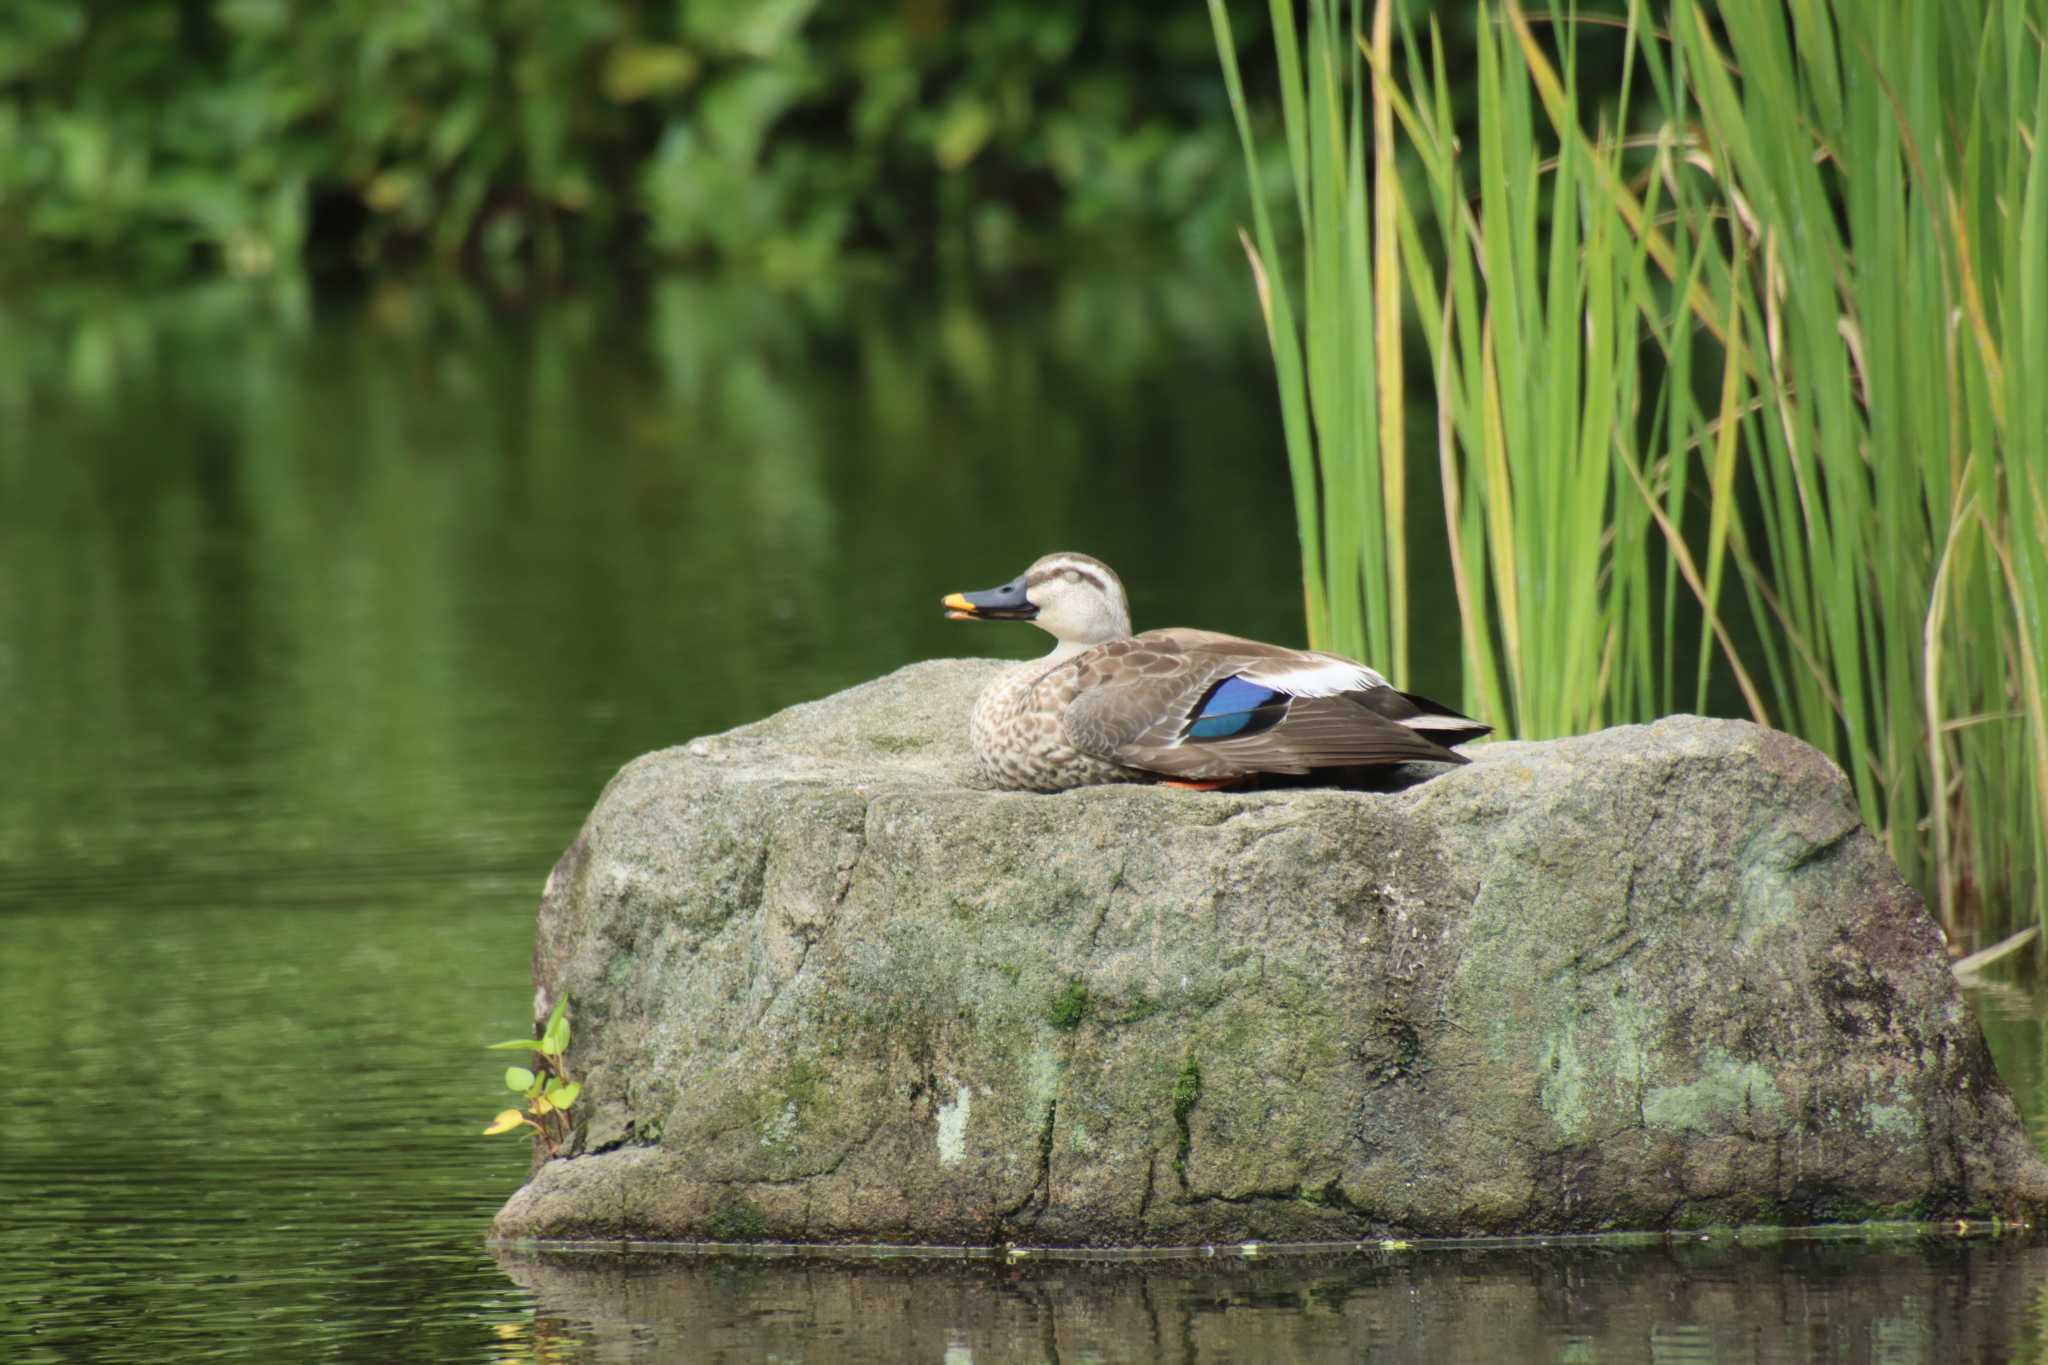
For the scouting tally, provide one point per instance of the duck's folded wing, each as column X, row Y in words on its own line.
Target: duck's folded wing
column 1316, row 732
column 1133, row 695
column 1304, row 673
column 1185, row 709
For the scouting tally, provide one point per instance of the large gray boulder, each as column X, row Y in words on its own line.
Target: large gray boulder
column 825, row 988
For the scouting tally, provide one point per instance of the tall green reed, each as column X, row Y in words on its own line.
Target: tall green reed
column 1741, row 373
column 1341, row 394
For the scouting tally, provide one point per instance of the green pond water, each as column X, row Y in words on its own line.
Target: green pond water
column 322, row 623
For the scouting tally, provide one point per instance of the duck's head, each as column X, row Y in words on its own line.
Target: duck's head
column 1076, row 599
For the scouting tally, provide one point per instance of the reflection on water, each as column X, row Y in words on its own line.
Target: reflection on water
column 419, row 575
column 2015, row 1020
column 1907, row 1302
column 250, row 1126
column 321, row 626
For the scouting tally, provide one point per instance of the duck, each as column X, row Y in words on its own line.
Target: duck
column 1185, row 708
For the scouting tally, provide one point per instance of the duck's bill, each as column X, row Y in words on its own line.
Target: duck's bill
column 1006, row 603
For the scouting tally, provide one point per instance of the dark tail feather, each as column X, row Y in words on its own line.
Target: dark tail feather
column 1423, row 716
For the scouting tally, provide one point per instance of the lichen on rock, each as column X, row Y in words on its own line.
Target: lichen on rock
column 825, row 988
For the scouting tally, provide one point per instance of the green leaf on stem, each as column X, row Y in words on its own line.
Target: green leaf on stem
column 554, row 1040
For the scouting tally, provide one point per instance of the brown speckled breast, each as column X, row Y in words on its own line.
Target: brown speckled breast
column 1017, row 735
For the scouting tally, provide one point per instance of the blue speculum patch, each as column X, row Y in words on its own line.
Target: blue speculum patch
column 1235, row 707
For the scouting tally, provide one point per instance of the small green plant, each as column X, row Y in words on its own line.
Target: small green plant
column 545, row 1086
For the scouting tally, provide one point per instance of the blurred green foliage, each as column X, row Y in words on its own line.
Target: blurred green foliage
column 254, row 135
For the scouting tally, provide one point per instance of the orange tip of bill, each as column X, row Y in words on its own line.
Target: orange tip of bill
column 958, row 608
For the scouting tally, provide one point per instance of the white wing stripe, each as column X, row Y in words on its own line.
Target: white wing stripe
column 1317, row 675
column 1429, row 722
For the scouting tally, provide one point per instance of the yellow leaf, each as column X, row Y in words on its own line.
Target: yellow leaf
column 506, row 1121
column 390, row 191
column 963, row 129
column 637, row 71
column 540, row 1105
